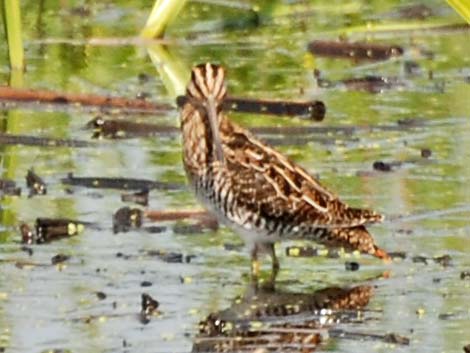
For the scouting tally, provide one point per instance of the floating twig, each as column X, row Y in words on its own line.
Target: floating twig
column 355, row 51
column 125, row 129
column 50, row 229
column 50, row 97
column 311, row 109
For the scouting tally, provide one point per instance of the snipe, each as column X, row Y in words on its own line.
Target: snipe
column 253, row 188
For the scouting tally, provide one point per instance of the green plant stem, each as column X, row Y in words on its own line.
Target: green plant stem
column 174, row 73
column 163, row 12
column 462, row 7
column 13, row 27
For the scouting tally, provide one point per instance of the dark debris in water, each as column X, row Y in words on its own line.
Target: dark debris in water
column 233, row 247
column 59, row 258
column 444, row 260
column 420, row 259
column 126, row 218
column 465, row 275
column 368, row 83
column 165, row 256
column 154, row 229
column 426, row 153
column 101, row 295
column 385, row 166
column 411, row 122
column 27, row 250
column 35, row 183
column 447, row 316
column 8, row 187
column 372, row 84
column 413, row 11
column 397, row 255
column 149, row 308
column 169, row 257
column 396, row 339
column 351, row 266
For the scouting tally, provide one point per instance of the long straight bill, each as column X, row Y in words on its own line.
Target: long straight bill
column 212, row 113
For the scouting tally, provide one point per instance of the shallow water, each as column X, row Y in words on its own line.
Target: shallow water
column 427, row 200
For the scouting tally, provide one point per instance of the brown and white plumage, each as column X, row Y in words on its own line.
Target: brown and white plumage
column 254, row 188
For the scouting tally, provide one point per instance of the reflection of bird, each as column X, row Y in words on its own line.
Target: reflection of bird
column 282, row 321
column 254, row 188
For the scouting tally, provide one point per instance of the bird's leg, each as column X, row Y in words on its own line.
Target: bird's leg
column 255, row 265
column 276, row 265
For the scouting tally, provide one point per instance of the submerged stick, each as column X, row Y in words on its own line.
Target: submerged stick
column 119, row 183
column 7, row 139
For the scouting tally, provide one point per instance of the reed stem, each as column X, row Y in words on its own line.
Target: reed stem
column 13, row 29
column 163, row 12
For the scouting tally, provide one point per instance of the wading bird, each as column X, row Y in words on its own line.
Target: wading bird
column 256, row 190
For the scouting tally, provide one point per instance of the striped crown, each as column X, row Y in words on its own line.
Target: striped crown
column 207, row 80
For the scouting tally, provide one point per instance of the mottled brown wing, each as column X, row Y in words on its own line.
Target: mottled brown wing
column 268, row 183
